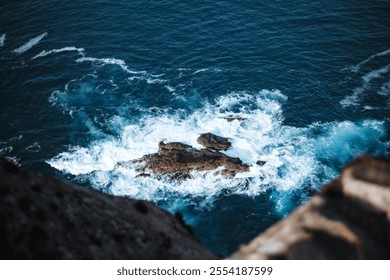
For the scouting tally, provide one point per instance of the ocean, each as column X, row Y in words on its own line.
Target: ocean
column 85, row 85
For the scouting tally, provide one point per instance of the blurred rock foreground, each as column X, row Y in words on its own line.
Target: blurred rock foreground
column 348, row 219
column 46, row 218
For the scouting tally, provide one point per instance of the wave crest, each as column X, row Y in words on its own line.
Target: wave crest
column 296, row 157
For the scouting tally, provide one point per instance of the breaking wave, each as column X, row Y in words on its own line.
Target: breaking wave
column 296, row 157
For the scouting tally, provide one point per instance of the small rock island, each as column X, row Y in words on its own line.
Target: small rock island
column 178, row 159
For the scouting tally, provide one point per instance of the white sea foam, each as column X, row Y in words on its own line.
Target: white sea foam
column 156, row 75
column 148, row 79
column 34, row 148
column 29, row 44
column 16, row 138
column 14, row 160
column 6, row 146
column 2, row 40
column 357, row 67
column 385, row 89
column 201, row 70
column 369, row 108
column 66, row 49
column 170, row 88
column 295, row 156
column 154, row 81
column 6, row 150
column 138, row 75
column 376, row 73
column 354, row 98
column 110, row 61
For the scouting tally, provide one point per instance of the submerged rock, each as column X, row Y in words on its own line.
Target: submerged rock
column 46, row 218
column 261, row 162
column 214, row 142
column 143, row 175
column 235, row 119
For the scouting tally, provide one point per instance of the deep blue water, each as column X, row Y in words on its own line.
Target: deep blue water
column 87, row 84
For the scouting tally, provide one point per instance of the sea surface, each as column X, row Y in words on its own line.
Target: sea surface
column 87, row 84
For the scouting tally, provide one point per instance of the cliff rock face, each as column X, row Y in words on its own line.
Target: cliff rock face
column 45, row 218
column 349, row 219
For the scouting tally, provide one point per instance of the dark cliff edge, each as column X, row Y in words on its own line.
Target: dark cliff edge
column 46, row 218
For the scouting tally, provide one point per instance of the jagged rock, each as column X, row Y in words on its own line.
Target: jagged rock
column 178, row 159
column 214, row 142
column 46, row 218
column 235, row 118
column 182, row 159
column 143, row 175
column 166, row 148
column 261, row 162
column 226, row 172
column 349, row 219
column 180, row 176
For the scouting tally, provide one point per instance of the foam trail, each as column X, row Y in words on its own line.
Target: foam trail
column 385, row 89
column 354, row 98
column 155, row 81
column 369, row 108
column 30, row 44
column 200, row 70
column 66, row 49
column 139, row 75
column 296, row 157
column 376, row 74
column 357, row 67
column 6, row 149
column 2, row 40
column 34, row 148
column 170, row 88
column 113, row 61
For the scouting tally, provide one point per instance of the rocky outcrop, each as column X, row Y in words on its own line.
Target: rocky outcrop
column 178, row 159
column 166, row 148
column 261, row 162
column 45, row 218
column 235, row 119
column 214, row 142
column 349, row 219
